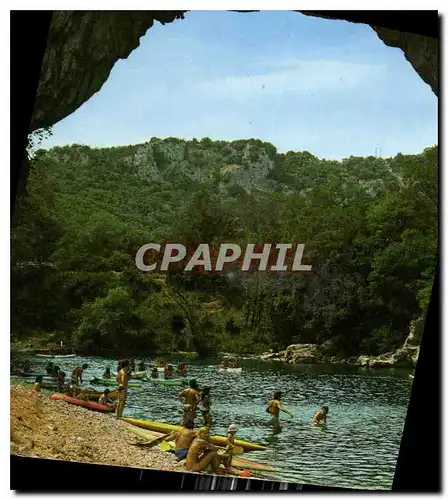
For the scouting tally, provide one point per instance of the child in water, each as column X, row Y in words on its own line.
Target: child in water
column 321, row 416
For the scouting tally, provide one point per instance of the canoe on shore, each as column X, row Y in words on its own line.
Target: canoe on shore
column 167, row 428
column 231, row 370
column 85, row 404
column 111, row 382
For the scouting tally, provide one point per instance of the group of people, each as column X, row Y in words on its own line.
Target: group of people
column 195, row 448
column 228, row 363
column 168, row 370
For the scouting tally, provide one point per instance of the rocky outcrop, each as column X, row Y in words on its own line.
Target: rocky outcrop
column 83, row 46
column 406, row 356
column 421, row 51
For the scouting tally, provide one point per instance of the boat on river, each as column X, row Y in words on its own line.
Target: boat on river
column 56, row 356
column 231, row 370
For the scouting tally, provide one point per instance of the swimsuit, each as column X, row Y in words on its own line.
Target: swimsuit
column 181, row 454
column 274, row 420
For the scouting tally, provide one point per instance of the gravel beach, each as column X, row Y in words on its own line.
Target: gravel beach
column 42, row 427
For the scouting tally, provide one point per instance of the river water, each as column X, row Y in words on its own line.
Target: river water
column 358, row 448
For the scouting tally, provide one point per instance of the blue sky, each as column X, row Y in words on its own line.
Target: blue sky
column 302, row 83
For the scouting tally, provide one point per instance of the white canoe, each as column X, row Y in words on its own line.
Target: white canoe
column 231, row 370
column 56, row 355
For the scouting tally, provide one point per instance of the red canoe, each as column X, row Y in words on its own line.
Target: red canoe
column 86, row 404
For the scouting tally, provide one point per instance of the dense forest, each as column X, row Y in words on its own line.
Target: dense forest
column 370, row 226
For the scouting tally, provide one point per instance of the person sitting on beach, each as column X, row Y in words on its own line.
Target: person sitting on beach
column 105, row 400
column 321, row 416
column 183, row 439
column 274, row 409
column 154, row 372
column 169, row 372
column 202, row 453
column 107, row 373
column 77, row 374
column 121, row 401
column 190, row 397
column 206, row 404
column 230, row 445
column 182, row 370
column 38, row 383
column 141, row 366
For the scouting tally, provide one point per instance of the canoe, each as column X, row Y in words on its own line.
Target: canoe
column 171, row 382
column 56, row 355
column 231, row 370
column 137, row 375
column 167, row 428
column 143, row 433
column 93, row 394
column 110, row 382
column 85, row 404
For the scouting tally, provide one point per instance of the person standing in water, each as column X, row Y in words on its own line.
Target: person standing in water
column 154, row 372
column 274, row 408
column 77, row 374
column 321, row 416
column 190, row 397
column 141, row 366
column 206, row 407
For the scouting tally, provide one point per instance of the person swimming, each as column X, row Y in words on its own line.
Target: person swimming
column 169, row 372
column 321, row 416
column 274, row 408
column 154, row 372
column 202, row 453
column 49, row 368
column 107, row 373
column 206, row 407
column 182, row 370
column 191, row 397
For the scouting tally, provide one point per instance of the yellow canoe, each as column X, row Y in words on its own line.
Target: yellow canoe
column 167, row 428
